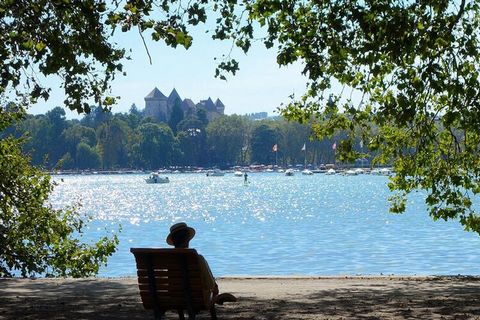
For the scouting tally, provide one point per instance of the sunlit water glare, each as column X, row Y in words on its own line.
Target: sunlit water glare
column 276, row 225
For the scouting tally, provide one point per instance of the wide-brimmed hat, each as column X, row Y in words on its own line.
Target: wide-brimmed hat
column 178, row 227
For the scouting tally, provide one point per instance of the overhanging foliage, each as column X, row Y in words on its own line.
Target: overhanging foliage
column 36, row 239
column 414, row 64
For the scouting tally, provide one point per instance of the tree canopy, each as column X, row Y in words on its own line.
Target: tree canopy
column 412, row 64
column 114, row 143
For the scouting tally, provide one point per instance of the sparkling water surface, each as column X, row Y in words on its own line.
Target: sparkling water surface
column 275, row 225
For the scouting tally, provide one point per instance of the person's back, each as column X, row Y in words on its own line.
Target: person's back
column 179, row 237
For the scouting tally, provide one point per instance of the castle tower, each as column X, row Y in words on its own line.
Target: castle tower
column 220, row 106
column 188, row 106
column 173, row 98
column 156, row 105
column 208, row 105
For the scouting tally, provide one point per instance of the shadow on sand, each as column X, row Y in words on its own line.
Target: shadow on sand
column 434, row 298
column 448, row 298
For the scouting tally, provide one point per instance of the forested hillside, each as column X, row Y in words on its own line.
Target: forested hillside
column 102, row 140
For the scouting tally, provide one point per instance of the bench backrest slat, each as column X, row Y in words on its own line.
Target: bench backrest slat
column 176, row 278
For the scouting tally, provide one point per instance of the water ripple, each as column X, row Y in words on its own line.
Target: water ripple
column 276, row 225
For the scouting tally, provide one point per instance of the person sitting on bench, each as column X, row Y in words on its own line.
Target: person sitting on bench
column 179, row 237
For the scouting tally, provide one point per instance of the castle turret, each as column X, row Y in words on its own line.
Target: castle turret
column 173, row 98
column 208, row 105
column 188, row 106
column 156, row 105
column 155, row 94
column 220, row 106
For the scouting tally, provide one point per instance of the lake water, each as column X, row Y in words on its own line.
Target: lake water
column 276, row 225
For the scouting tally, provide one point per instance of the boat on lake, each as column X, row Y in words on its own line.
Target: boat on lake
column 350, row 173
column 238, row 173
column 330, row 172
column 382, row 172
column 156, row 178
column 307, row 172
column 359, row 171
column 385, row 171
column 215, row 173
column 289, row 172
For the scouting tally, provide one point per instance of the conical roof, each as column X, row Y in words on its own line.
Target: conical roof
column 155, row 94
column 219, row 104
column 209, row 105
column 174, row 96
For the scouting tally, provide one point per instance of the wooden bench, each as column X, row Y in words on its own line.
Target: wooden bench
column 169, row 279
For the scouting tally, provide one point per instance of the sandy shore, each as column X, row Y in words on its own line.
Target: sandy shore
column 258, row 298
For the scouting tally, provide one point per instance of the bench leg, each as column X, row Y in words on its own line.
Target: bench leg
column 213, row 312
column 158, row 314
column 181, row 316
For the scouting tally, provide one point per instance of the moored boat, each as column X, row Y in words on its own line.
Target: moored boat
column 289, row 172
column 215, row 173
column 307, row 172
column 382, row 172
column 350, row 173
column 359, row 171
column 156, row 178
column 385, row 172
column 238, row 173
column 330, row 172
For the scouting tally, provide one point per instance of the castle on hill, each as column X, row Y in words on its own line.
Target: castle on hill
column 159, row 106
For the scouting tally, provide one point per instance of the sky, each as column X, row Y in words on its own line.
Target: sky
column 260, row 85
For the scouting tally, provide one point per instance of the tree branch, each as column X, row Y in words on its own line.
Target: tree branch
column 145, row 44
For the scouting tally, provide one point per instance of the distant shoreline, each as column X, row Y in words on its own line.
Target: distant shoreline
column 249, row 169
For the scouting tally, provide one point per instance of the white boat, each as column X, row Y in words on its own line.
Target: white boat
column 385, row 171
column 359, row 171
column 382, row 172
column 238, row 173
column 307, row 172
column 215, row 173
column 351, row 173
column 289, row 172
column 155, row 178
column 330, row 172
